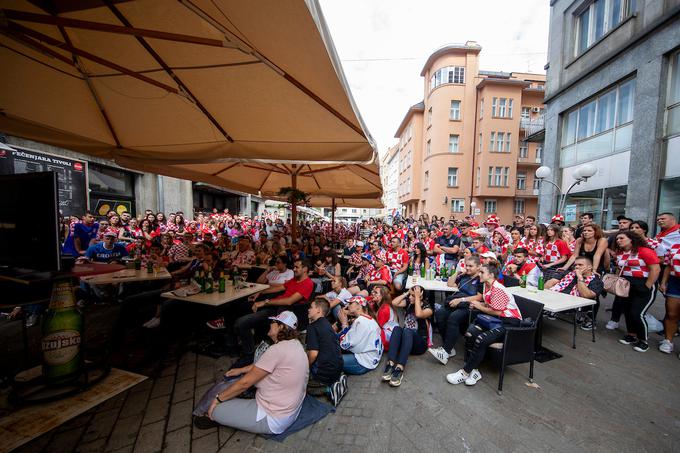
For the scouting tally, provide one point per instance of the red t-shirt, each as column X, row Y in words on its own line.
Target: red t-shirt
column 380, row 274
column 396, row 260
column 304, row 288
column 636, row 264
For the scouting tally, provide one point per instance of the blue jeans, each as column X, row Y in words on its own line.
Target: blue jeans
column 404, row 342
column 352, row 366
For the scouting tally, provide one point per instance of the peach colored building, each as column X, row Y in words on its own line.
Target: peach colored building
column 465, row 142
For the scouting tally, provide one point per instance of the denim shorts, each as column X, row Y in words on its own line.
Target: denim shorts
column 673, row 287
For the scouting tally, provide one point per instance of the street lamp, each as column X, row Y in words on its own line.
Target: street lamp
column 473, row 205
column 580, row 175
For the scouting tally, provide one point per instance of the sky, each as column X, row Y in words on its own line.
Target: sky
column 383, row 45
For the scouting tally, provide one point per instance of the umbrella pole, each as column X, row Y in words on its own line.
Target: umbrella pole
column 293, row 208
column 332, row 219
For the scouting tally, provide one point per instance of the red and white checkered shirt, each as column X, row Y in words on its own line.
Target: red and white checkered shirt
column 636, row 265
column 658, row 247
column 179, row 252
column 672, row 259
column 555, row 250
column 567, row 280
column 498, row 298
column 533, row 245
column 380, row 274
column 396, row 260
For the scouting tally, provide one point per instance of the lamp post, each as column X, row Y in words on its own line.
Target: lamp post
column 580, row 175
column 473, row 205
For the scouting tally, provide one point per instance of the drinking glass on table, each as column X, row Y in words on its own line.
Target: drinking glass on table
column 244, row 277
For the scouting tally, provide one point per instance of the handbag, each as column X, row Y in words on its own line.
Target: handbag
column 615, row 284
column 488, row 322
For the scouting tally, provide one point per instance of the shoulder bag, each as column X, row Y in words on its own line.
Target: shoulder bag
column 615, row 284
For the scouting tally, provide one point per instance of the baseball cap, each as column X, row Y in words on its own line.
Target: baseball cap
column 367, row 257
column 359, row 244
column 286, row 317
column 110, row 233
column 361, row 300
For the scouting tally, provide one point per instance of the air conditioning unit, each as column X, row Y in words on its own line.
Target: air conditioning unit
column 535, row 109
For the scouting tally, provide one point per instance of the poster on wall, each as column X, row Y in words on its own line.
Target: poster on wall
column 72, row 182
column 570, row 213
column 119, row 206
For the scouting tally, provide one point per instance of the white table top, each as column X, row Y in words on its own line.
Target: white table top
column 126, row 276
column 429, row 285
column 552, row 300
column 216, row 298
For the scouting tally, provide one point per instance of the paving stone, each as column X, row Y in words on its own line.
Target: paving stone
column 183, row 390
column 124, row 432
column 225, row 434
column 77, row 422
column 178, row 441
column 163, row 386
column 36, row 444
column 146, row 385
column 150, row 438
column 169, row 370
column 100, row 426
column 115, row 402
column 200, row 391
column 206, row 444
column 135, row 403
column 65, row 441
column 187, row 371
column 239, row 442
column 189, row 357
column 206, row 375
column 180, row 415
column 96, row 446
column 156, row 409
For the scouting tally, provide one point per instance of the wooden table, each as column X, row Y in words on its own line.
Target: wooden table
column 126, row 276
column 215, row 298
column 429, row 285
column 555, row 302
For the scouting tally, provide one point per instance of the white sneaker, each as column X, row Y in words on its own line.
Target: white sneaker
column 440, row 355
column 152, row 323
column 612, row 325
column 666, row 346
column 456, row 378
column 473, row 377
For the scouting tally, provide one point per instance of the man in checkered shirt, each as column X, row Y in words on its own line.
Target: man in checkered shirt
column 397, row 260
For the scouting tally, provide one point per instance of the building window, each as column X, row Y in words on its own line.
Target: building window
column 673, row 97
column 526, row 113
column 523, row 150
column 426, row 180
column 501, row 108
column 507, row 142
column 521, row 180
column 455, row 110
column 492, row 142
column 489, row 206
column 597, row 19
column 481, row 108
column 500, row 142
column 519, row 206
column 539, row 154
column 449, row 74
column 457, row 205
column 453, row 177
column 479, row 175
column 428, row 147
column 598, row 127
column 481, row 141
column 453, row 143
column 537, row 184
column 354, row 211
column 498, row 176
column 429, row 117
column 490, row 180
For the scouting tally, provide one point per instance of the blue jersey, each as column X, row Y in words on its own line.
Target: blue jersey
column 84, row 233
column 99, row 254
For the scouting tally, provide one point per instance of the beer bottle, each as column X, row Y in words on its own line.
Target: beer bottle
column 541, row 282
column 62, row 330
column 138, row 260
column 209, row 283
column 223, row 283
column 523, row 281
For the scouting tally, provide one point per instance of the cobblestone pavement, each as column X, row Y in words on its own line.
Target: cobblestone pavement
column 602, row 396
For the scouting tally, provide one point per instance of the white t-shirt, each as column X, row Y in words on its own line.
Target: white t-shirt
column 363, row 340
column 279, row 278
column 343, row 296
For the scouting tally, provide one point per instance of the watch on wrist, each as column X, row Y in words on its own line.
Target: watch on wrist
column 217, row 397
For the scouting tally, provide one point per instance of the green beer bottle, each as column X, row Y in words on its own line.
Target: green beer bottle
column 62, row 330
column 222, row 283
column 209, row 283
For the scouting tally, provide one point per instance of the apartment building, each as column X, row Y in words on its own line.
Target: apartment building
column 613, row 101
column 463, row 149
column 389, row 173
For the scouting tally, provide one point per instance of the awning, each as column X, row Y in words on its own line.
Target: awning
column 178, row 82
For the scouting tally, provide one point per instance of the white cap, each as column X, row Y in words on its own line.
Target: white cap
column 286, row 317
column 361, row 244
column 488, row 254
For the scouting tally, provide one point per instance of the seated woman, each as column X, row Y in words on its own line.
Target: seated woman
column 413, row 338
column 360, row 336
column 280, row 376
column 328, row 268
column 338, row 295
column 381, row 302
column 497, row 302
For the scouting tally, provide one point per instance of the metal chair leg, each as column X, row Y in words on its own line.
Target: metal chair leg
column 573, row 339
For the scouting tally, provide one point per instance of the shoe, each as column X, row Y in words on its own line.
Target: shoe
column 397, row 375
column 474, row 376
column 204, row 422
column 441, row 355
column 343, row 386
column 216, row 324
column 551, row 315
column 153, row 323
column 32, row 319
column 335, row 393
column 666, row 346
column 456, row 378
column 628, row 339
column 387, row 373
column 588, row 325
column 612, row 325
column 641, row 346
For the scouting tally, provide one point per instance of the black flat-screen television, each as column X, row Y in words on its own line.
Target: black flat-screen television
column 29, row 222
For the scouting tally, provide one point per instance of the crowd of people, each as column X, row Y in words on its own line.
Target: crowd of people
column 345, row 288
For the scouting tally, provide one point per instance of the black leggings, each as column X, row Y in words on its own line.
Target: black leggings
column 479, row 341
column 635, row 306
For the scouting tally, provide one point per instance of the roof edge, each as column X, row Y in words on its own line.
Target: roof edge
column 469, row 46
column 419, row 107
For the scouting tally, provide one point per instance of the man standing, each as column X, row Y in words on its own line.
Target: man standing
column 670, row 230
column 448, row 244
column 84, row 233
column 398, row 259
column 586, row 219
column 108, row 251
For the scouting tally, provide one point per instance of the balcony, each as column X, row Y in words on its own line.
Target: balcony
column 526, row 193
column 530, row 161
column 532, row 125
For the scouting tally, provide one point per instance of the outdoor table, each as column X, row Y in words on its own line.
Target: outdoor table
column 127, row 276
column 216, row 298
column 429, row 285
column 555, row 302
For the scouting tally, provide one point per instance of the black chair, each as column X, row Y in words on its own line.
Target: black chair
column 518, row 346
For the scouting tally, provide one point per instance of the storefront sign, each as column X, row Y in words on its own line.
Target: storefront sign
column 70, row 173
column 570, row 213
column 119, row 206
